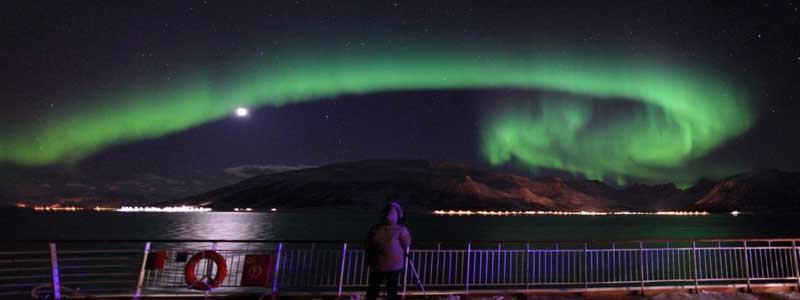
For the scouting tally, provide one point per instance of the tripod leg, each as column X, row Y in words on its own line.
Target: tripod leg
column 416, row 275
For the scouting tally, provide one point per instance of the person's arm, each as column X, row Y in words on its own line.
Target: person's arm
column 405, row 239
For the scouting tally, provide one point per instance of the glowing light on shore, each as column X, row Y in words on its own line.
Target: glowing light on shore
column 242, row 209
column 564, row 213
column 735, row 213
column 70, row 208
column 182, row 208
column 57, row 208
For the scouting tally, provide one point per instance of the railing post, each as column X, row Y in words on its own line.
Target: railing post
column 612, row 258
column 585, row 268
column 526, row 261
column 277, row 269
column 553, row 264
column 694, row 265
column 209, row 268
column 54, row 271
column 641, row 268
column 492, row 263
column 796, row 271
column 140, row 281
column 341, row 270
column 469, row 251
column 439, row 257
column 747, row 267
column 312, row 265
column 405, row 271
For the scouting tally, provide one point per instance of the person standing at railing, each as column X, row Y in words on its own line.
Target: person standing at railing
column 385, row 247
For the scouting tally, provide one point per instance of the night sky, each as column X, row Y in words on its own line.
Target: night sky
column 98, row 93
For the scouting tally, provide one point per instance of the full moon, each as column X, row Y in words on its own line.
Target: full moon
column 241, row 112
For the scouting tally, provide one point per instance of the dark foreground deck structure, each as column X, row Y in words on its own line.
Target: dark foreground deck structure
column 158, row 269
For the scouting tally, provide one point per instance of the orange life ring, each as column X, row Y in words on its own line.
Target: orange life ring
column 191, row 277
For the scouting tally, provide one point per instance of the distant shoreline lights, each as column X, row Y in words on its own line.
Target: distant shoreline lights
column 564, row 213
column 248, row 209
column 68, row 208
column 182, row 208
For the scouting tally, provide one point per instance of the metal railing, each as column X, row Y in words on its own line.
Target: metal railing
column 120, row 268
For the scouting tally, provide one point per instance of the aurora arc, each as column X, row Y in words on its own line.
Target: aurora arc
column 690, row 110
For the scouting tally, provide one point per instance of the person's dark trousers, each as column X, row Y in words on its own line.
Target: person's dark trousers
column 376, row 278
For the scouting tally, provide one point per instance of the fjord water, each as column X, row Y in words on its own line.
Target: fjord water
column 27, row 224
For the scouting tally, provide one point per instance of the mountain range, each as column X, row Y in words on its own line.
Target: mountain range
column 424, row 186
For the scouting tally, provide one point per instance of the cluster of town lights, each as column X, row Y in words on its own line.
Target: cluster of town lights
column 70, row 208
column 182, row 208
column 565, row 213
column 250, row 209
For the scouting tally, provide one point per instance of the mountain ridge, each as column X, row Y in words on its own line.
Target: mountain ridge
column 425, row 185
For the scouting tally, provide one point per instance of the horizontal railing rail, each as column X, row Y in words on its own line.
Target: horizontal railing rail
column 427, row 241
column 141, row 268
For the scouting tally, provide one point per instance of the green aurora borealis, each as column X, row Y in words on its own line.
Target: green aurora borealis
column 688, row 111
